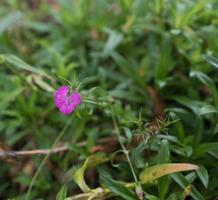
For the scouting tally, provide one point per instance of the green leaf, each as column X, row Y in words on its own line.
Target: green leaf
column 150, row 174
column 212, row 60
column 151, row 197
column 165, row 62
column 163, row 157
column 206, row 80
column 184, row 18
column 163, row 152
column 174, row 196
column 136, row 155
column 20, row 64
column 38, row 80
column 203, row 175
column 78, row 174
column 127, row 67
column 198, row 131
column 208, row 109
column 62, row 193
column 179, row 130
column 216, row 128
column 7, row 97
column 118, row 189
column 196, row 8
column 189, row 103
column 128, row 134
column 182, row 182
column 9, row 20
column 113, row 41
column 205, row 148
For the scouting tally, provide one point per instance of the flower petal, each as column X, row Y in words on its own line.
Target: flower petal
column 60, row 95
column 66, row 108
column 75, row 97
column 66, row 104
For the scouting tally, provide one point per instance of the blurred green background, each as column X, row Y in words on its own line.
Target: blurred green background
column 151, row 59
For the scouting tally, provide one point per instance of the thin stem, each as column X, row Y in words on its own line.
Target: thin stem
column 126, row 152
column 46, row 158
column 94, row 102
column 130, row 164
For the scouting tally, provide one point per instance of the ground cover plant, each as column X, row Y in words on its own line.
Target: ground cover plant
column 109, row 99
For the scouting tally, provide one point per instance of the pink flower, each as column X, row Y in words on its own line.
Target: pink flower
column 64, row 102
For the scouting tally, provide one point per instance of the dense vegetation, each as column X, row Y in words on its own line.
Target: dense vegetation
column 147, row 74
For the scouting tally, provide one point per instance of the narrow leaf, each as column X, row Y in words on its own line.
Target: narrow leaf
column 78, row 174
column 78, row 177
column 212, row 60
column 118, row 189
column 182, row 182
column 208, row 109
column 163, row 157
column 203, row 175
column 9, row 21
column 14, row 61
column 148, row 175
column 62, row 193
column 205, row 148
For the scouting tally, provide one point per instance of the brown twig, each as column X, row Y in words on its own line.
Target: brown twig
column 11, row 153
column 31, row 152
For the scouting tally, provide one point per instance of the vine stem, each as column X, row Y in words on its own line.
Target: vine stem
column 46, row 157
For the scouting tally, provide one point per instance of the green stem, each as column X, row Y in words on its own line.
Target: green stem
column 101, row 103
column 126, row 152
column 46, row 158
